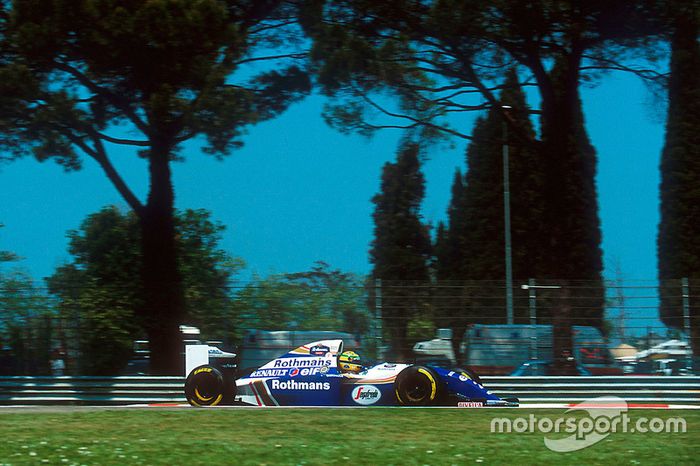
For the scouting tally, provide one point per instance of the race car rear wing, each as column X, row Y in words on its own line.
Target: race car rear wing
column 198, row 355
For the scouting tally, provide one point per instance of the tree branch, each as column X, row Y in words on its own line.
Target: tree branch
column 416, row 121
column 99, row 154
column 101, row 157
column 116, row 101
column 271, row 26
column 296, row 56
column 607, row 64
column 124, row 142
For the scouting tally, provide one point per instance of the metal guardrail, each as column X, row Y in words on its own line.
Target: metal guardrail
column 643, row 389
column 136, row 390
column 123, row 390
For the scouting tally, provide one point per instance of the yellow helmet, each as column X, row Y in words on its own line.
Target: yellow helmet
column 349, row 361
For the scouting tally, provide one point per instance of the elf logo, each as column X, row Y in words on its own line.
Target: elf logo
column 306, row 371
column 366, row 395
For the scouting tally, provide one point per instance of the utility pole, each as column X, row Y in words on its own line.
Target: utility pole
column 506, row 223
column 532, row 287
column 378, row 324
column 686, row 322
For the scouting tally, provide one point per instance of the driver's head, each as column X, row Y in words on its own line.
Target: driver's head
column 349, row 361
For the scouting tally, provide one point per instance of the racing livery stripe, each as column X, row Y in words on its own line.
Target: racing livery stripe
column 361, row 381
column 255, row 392
column 301, row 350
column 264, row 394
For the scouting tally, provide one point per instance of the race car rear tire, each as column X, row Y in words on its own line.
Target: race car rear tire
column 418, row 386
column 205, row 386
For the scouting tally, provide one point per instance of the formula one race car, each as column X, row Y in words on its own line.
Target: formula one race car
column 311, row 376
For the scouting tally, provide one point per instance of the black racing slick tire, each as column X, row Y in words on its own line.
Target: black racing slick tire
column 418, row 386
column 205, row 386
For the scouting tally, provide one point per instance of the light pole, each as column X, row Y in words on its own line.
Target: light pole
column 532, row 288
column 506, row 222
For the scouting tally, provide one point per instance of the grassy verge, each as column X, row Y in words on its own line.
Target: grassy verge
column 316, row 436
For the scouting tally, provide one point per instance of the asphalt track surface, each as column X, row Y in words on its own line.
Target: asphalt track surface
column 169, row 406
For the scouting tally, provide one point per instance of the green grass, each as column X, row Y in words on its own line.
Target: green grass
column 184, row 436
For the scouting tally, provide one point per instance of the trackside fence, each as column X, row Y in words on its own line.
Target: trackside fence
column 608, row 328
column 663, row 389
column 121, row 391
column 95, row 391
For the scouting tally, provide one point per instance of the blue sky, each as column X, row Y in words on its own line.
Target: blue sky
column 299, row 192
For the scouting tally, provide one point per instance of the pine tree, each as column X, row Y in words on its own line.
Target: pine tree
column 79, row 78
column 401, row 247
column 679, row 228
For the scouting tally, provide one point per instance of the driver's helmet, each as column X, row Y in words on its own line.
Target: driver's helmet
column 349, row 361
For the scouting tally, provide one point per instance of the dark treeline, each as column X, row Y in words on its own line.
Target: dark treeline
column 679, row 228
column 168, row 71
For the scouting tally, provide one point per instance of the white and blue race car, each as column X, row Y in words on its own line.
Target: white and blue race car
column 310, row 376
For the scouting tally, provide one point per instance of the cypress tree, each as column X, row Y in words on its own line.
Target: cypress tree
column 476, row 224
column 447, row 248
column 449, row 299
column 679, row 228
column 573, row 256
column 401, row 247
column 470, row 264
column 577, row 264
column 477, row 216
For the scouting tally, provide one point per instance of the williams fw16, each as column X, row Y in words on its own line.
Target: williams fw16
column 321, row 374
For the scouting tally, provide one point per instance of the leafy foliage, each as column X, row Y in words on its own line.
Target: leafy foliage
column 401, row 248
column 678, row 239
column 478, row 217
column 162, row 66
column 25, row 321
column 444, row 57
column 25, row 325
column 469, row 251
column 448, row 56
column 79, row 77
column 319, row 299
column 7, row 256
column 100, row 291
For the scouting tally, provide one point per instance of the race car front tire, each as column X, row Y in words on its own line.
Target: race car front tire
column 418, row 386
column 205, row 386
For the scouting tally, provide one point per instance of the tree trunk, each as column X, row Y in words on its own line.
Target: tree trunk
column 678, row 246
column 163, row 303
column 563, row 362
column 558, row 150
column 571, row 210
